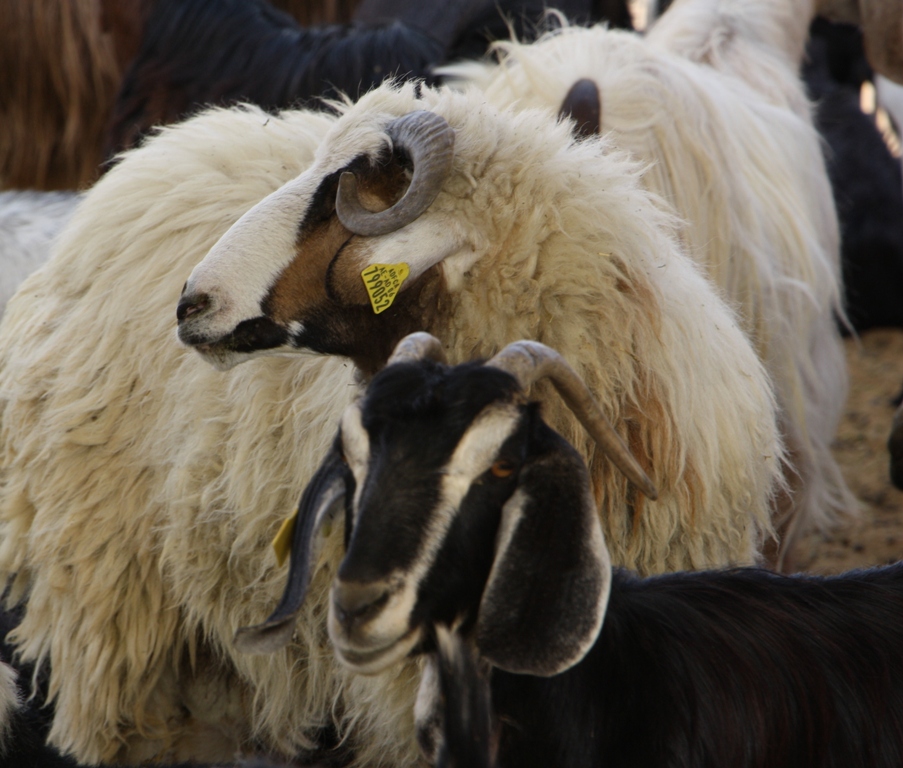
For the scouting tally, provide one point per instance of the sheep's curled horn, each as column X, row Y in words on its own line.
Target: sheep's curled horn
column 430, row 142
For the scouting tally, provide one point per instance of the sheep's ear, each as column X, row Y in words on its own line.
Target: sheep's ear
column 543, row 605
column 323, row 496
column 583, row 105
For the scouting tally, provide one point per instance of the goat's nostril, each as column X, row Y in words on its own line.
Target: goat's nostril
column 355, row 602
column 192, row 305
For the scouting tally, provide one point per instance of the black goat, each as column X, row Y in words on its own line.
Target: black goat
column 201, row 52
column 865, row 177
column 462, row 507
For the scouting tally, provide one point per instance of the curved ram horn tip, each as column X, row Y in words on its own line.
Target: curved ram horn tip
column 417, row 346
column 584, row 106
column 530, row 361
column 430, row 142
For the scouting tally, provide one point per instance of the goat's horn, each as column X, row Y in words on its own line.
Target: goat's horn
column 417, row 346
column 529, row 361
column 430, row 142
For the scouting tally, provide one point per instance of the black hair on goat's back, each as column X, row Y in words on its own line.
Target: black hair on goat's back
column 741, row 668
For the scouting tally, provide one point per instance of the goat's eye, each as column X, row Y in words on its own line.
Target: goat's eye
column 502, row 468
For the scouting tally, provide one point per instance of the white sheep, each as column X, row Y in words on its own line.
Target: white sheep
column 140, row 487
column 114, row 436
column 29, row 222
column 712, row 101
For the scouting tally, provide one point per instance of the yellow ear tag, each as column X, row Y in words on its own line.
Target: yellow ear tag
column 383, row 281
column 282, row 543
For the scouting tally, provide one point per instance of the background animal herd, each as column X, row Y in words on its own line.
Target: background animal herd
column 697, row 252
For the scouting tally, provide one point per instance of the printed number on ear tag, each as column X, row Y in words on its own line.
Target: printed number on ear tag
column 282, row 543
column 383, row 281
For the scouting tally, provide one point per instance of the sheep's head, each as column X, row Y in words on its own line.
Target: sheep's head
column 460, row 504
column 334, row 261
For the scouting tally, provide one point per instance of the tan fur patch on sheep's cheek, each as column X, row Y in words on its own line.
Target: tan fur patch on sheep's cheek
column 312, row 278
column 302, row 286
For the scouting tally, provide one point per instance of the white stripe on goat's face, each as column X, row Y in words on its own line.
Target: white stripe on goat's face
column 356, row 448
column 404, row 520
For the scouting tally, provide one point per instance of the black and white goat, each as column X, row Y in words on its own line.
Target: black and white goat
column 462, row 507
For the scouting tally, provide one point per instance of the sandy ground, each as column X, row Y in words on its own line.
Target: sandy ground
column 876, row 536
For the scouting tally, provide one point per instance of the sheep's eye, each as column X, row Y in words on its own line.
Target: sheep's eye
column 502, row 468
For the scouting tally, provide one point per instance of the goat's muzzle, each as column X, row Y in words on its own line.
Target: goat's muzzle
column 368, row 627
column 357, row 603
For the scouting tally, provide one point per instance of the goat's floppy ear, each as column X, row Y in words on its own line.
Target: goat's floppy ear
column 323, row 496
column 545, row 599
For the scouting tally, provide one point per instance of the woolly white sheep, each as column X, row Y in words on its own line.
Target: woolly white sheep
column 140, row 487
column 504, row 245
column 712, row 101
column 119, row 448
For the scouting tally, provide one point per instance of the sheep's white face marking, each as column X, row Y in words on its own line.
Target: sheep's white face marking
column 389, row 636
column 287, row 276
column 237, row 272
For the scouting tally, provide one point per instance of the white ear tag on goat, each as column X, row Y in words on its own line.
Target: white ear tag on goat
column 383, row 281
column 282, row 542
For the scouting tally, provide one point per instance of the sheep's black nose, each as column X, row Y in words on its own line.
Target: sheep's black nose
column 356, row 603
column 192, row 305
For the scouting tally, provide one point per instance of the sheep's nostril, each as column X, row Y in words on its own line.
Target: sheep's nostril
column 355, row 603
column 192, row 305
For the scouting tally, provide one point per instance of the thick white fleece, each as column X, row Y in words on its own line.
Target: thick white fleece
column 712, row 102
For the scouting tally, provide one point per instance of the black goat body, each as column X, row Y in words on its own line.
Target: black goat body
column 464, row 508
column 742, row 668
